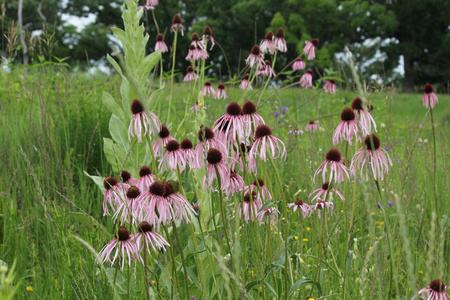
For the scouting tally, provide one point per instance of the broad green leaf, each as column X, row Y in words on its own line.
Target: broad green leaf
column 118, row 132
column 114, row 154
column 298, row 283
column 112, row 105
column 115, row 64
column 97, row 180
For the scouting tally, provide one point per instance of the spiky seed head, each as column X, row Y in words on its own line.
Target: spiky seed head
column 136, row 106
column 262, row 130
column 249, row 108
column 157, row 188
column 256, row 51
column 205, row 134
column 186, row 144
column 428, row 88
column 145, row 227
column 123, row 234
column 269, row 35
column 315, row 42
column 207, row 31
column 133, row 192
column 214, row 156
column 372, row 138
column 144, row 171
column 234, row 109
column 176, row 19
column 279, row 33
column 109, row 182
column 333, row 155
column 164, row 132
column 172, row 146
column 347, row 114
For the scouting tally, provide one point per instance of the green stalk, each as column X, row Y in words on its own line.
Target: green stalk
column 268, row 79
column 222, row 212
column 434, row 158
column 186, row 278
column 145, row 271
column 173, row 70
column 172, row 257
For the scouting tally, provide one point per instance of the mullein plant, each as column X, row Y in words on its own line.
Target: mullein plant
column 222, row 165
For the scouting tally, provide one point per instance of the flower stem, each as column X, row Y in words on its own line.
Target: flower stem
column 268, row 79
column 172, row 257
column 222, row 213
column 434, row 159
column 173, row 70
column 186, row 278
column 145, row 271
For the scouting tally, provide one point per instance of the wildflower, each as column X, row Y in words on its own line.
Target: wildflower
column 193, row 53
column 128, row 207
column 266, row 143
column 216, row 162
column 389, row 205
column 266, row 70
column 190, row 74
column 320, row 205
column 243, row 155
column 114, row 195
column 324, row 190
column 301, row 206
column 348, row 127
column 299, row 64
column 377, row 159
column 231, row 124
column 379, row 205
column 182, row 210
column 245, row 83
column 207, row 35
column 237, row 184
column 220, row 92
column 147, row 237
column 312, row 126
column 364, row 116
column 188, row 152
column 29, row 288
column 127, row 178
column 271, row 215
column 429, row 97
column 251, row 119
column 150, row 4
column 255, row 58
column 276, row 114
column 249, row 207
column 284, row 110
column 306, row 240
column 330, row 86
column 338, row 171
column 121, row 245
column 264, row 193
column 159, row 144
column 267, row 44
column 160, row 45
column 207, row 141
column 195, row 41
column 207, row 89
column 142, row 122
column 176, row 24
column 146, row 178
column 306, row 79
column 194, row 107
column 154, row 207
column 310, row 47
column 435, row 291
column 295, row 132
column 173, row 158
column 279, row 41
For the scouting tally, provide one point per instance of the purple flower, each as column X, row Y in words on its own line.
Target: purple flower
column 277, row 114
column 399, row 160
column 386, row 148
column 389, row 205
column 284, row 109
column 379, row 205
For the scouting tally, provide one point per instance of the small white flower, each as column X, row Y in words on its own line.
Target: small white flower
column 382, row 125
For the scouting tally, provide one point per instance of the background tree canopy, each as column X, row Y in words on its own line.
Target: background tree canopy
column 380, row 33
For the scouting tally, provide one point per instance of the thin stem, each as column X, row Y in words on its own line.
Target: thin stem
column 145, row 271
column 222, row 212
column 172, row 257
column 128, row 281
column 434, row 158
column 186, row 278
column 268, row 79
column 214, row 219
column 114, row 281
column 173, row 70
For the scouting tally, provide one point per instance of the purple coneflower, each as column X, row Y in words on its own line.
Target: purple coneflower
column 189, row 153
column 159, row 144
column 338, row 171
column 323, row 191
column 320, row 205
column 208, row 89
column 142, row 122
column 247, row 209
column 245, row 84
column 306, row 79
column 220, row 92
column 207, row 141
column 173, row 158
column 127, row 178
column 377, row 159
column 299, row 64
column 266, row 70
column 193, row 53
column 121, row 245
column 146, row 178
column 301, row 206
column 250, row 160
column 237, row 184
column 215, row 161
column 255, row 58
column 267, row 44
column 160, row 44
column 181, row 208
column 190, row 74
column 265, row 194
column 312, row 126
column 194, row 107
column 150, row 4
column 330, row 86
column 364, row 116
column 271, row 215
column 157, row 210
column 295, row 132
column 251, row 119
column 429, row 97
column 266, row 143
column 310, row 47
column 435, row 291
column 177, row 24
column 146, row 237
column 128, row 207
column 114, row 195
column 348, row 128
column 195, row 41
column 279, row 41
column 207, row 35
column 231, row 123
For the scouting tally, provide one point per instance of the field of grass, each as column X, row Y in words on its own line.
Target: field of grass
column 387, row 240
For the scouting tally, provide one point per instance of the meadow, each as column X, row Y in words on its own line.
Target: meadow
column 53, row 128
